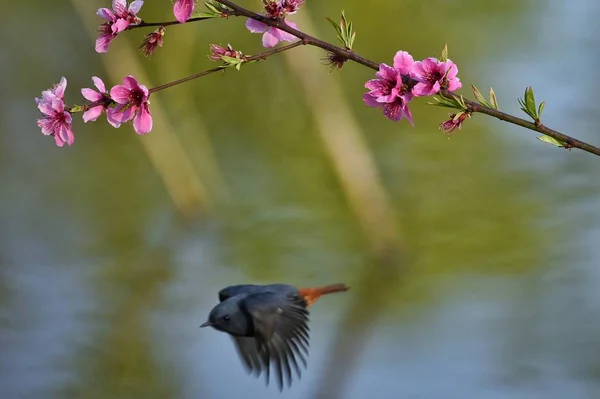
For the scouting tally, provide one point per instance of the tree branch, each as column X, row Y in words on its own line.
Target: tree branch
column 350, row 55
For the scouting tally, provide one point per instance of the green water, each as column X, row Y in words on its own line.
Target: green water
column 477, row 280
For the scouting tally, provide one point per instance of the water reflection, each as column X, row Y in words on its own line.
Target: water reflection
column 490, row 288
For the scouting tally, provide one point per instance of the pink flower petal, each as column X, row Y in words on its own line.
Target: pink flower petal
column 120, row 25
column 374, row 84
column 59, row 142
column 91, row 95
column 389, row 97
column 45, row 125
column 142, row 123
column 110, row 116
column 423, row 89
column 66, row 134
column 283, row 36
column 120, row 94
column 451, row 69
column 183, row 9
column 370, row 100
column 60, row 88
column 454, row 84
column 120, row 114
column 116, row 4
column 134, row 7
column 418, row 69
column 58, row 105
column 106, row 14
column 99, row 84
column 102, row 43
column 269, row 39
column 130, row 82
column 92, row 114
column 403, row 62
column 255, row 26
column 46, row 108
column 386, row 72
column 393, row 111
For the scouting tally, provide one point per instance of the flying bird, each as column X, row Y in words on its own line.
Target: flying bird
column 269, row 325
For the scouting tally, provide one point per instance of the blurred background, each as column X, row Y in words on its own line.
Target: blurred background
column 473, row 258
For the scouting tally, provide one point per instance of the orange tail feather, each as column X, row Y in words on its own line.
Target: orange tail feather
column 310, row 295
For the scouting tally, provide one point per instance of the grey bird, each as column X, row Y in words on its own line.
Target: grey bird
column 269, row 325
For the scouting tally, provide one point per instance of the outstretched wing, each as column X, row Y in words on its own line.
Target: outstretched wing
column 234, row 290
column 247, row 348
column 281, row 335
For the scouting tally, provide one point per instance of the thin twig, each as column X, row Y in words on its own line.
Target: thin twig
column 257, row 57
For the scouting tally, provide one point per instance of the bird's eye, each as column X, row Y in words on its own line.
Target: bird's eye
column 226, row 318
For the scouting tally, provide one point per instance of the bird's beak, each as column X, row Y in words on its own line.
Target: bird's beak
column 205, row 324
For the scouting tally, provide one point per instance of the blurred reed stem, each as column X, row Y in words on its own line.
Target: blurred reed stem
column 162, row 145
column 359, row 179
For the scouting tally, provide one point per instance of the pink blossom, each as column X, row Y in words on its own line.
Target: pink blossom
column 100, row 100
column 118, row 19
column 218, row 52
column 455, row 122
column 276, row 10
column 434, row 75
column 152, row 41
column 56, row 121
column 291, row 6
column 271, row 35
column 394, row 110
column 385, row 87
column 183, row 9
column 132, row 103
column 392, row 89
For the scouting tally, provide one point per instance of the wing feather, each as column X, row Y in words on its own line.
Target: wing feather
column 281, row 335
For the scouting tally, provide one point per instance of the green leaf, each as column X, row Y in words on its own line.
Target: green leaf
column 215, row 10
column 541, row 109
column 232, row 61
column 343, row 22
column 442, row 102
column 335, row 25
column 444, row 55
column 480, row 97
column 553, row 141
column 345, row 31
column 76, row 108
column 350, row 34
column 338, row 29
column 524, row 108
column 530, row 102
column 493, row 99
column 205, row 15
column 454, row 102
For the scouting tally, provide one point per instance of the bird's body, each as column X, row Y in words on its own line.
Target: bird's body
column 268, row 324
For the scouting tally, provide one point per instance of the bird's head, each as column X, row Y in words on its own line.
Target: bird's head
column 228, row 317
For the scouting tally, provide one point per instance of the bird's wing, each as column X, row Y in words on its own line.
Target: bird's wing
column 281, row 334
column 234, row 290
column 248, row 351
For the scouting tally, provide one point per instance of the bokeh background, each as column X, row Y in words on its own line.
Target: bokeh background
column 474, row 258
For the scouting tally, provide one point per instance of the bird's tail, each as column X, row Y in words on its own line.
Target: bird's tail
column 310, row 295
